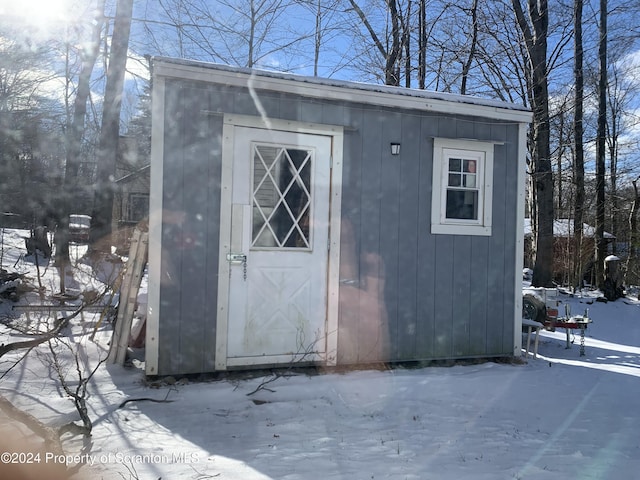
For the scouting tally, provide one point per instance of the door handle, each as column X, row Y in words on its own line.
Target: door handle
column 240, row 258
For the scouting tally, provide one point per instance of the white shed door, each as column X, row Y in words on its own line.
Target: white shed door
column 279, row 238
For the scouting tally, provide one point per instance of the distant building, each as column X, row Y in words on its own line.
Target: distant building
column 564, row 250
column 131, row 198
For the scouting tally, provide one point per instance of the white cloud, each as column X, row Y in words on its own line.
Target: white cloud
column 43, row 19
column 137, row 67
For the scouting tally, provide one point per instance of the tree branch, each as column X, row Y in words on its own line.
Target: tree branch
column 50, row 436
column 59, row 325
column 372, row 32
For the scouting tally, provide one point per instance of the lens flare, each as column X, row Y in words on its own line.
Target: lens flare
column 45, row 14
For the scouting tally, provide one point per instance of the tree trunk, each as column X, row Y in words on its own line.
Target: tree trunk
column 422, row 44
column 560, row 155
column 318, row 38
column 75, row 132
column 110, row 131
column 632, row 252
column 252, row 34
column 578, row 135
column 600, row 147
column 612, row 143
column 48, row 434
column 613, row 174
column 391, row 55
column 472, row 47
column 535, row 36
column 406, row 44
column 391, row 69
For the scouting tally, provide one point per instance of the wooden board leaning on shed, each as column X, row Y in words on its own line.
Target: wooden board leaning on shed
column 128, row 296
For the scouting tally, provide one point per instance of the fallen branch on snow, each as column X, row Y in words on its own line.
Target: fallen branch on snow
column 148, row 399
column 144, row 399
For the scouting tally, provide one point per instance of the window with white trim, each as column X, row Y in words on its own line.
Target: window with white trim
column 462, row 187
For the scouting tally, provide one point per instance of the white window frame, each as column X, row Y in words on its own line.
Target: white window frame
column 443, row 149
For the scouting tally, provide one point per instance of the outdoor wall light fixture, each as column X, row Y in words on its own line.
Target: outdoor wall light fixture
column 395, row 149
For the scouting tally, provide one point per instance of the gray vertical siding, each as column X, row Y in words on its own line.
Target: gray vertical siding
column 442, row 296
column 367, row 235
column 391, row 241
column 191, row 200
column 350, row 249
column 173, row 195
column 405, row 345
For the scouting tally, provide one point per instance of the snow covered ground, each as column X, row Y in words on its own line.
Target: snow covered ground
column 560, row 416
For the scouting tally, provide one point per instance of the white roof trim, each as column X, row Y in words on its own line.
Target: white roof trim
column 313, row 87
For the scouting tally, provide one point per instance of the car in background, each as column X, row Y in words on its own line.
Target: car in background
column 79, row 226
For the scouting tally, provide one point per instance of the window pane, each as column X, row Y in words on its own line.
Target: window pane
column 454, row 180
column 138, row 207
column 281, row 197
column 455, row 165
column 462, row 204
column 469, row 180
column 470, row 166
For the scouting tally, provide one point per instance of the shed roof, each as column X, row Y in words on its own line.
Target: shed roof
column 331, row 89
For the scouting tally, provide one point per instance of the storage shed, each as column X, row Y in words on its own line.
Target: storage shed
column 305, row 220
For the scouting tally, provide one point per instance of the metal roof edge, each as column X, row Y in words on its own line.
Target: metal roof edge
column 314, row 87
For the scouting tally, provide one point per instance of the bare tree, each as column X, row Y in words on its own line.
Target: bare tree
column 65, row 351
column 30, row 152
column 422, row 43
column 317, row 38
column 502, row 59
column 466, row 67
column 24, row 68
column 578, row 137
column 49, row 435
column 560, row 130
column 600, row 145
column 243, row 33
column 534, row 30
column 631, row 273
column 392, row 67
column 621, row 91
column 110, row 130
column 75, row 133
column 390, row 53
column 74, row 384
column 326, row 28
column 632, row 251
column 405, row 19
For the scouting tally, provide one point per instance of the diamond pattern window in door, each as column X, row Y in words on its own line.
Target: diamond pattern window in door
column 281, row 197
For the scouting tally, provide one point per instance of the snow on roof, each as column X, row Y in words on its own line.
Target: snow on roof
column 326, row 88
column 563, row 227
